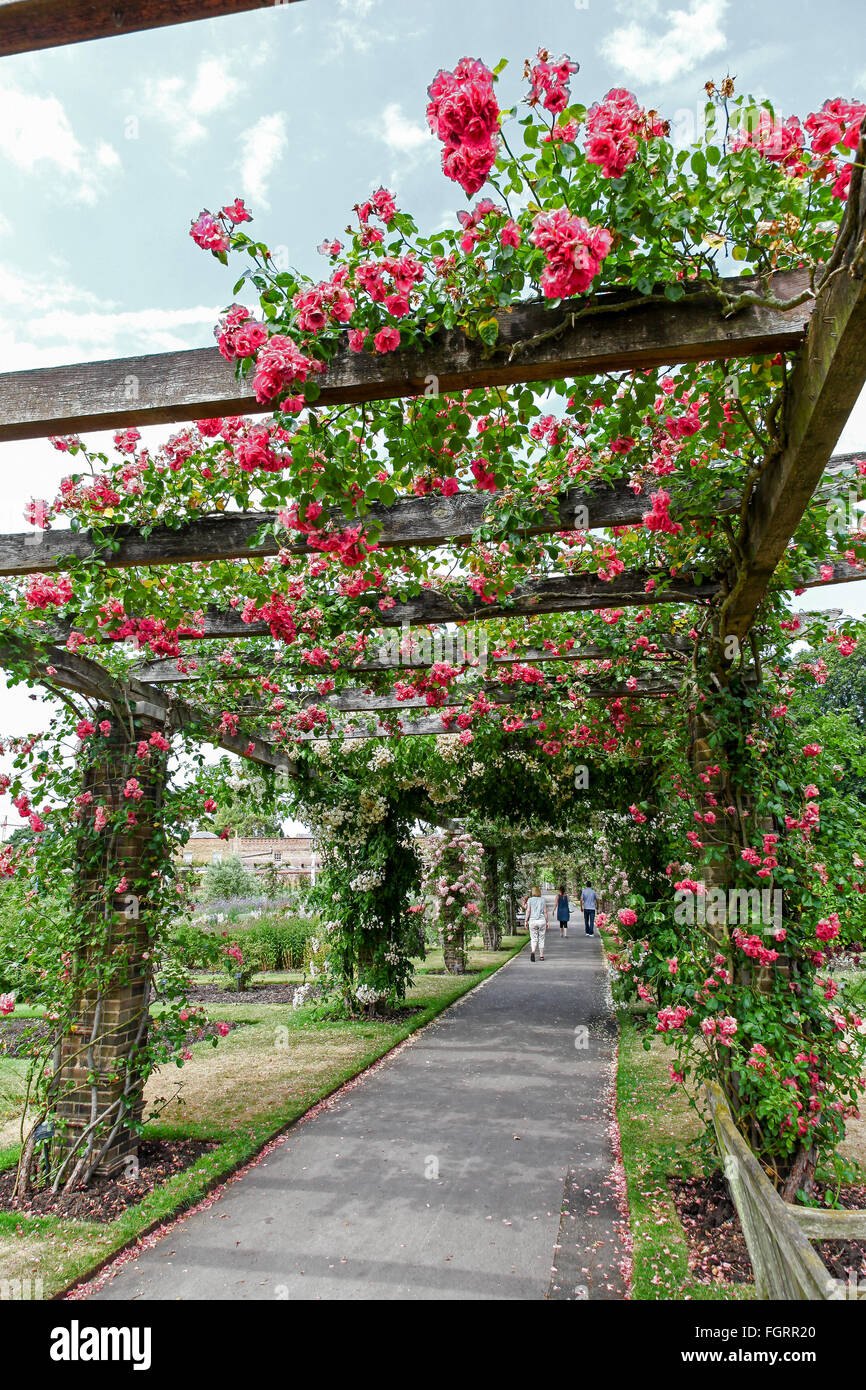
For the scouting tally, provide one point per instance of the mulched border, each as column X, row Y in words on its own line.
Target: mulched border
column 716, row 1245
column 21, row 1037
column 106, row 1198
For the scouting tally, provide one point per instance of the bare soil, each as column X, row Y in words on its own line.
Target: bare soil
column 106, row 1197
column 717, row 1247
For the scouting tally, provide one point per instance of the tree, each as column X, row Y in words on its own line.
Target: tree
column 229, row 879
column 251, row 823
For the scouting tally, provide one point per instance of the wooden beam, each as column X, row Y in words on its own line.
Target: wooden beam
column 70, row 671
column 558, row 594
column 433, row 724
column 164, row 671
column 363, row 701
column 28, row 25
column 823, row 388
column 843, row 573
column 409, row 522
column 199, row 383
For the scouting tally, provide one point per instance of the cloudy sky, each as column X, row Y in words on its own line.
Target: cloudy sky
column 109, row 149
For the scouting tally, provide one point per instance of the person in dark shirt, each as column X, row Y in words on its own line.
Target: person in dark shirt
column 589, row 902
column 563, row 910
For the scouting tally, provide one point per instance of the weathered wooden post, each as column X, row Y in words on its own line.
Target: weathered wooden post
column 97, row 1088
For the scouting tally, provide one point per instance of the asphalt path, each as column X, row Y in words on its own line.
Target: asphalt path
column 476, row 1163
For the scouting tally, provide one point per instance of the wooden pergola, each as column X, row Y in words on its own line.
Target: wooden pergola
column 823, row 324
column 28, row 25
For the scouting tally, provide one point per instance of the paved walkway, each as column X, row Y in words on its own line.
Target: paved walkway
column 476, row 1164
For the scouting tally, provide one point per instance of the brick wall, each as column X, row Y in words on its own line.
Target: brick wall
column 294, row 851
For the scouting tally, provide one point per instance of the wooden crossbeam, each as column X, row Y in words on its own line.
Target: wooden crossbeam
column 843, row 573
column 411, row 521
column 823, row 388
column 557, row 594
column 249, row 667
column 198, row 383
column 164, row 670
column 71, row 671
column 28, row 25
column 435, row 725
column 363, row 701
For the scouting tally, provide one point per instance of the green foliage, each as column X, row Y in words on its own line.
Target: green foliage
column 246, row 821
column 229, row 879
column 278, row 943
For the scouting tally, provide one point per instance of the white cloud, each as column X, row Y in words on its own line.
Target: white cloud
column 262, row 147
column 37, row 137
column 183, row 104
column 351, row 28
column 689, row 36
column 400, row 134
column 153, row 329
column 34, row 292
column 45, row 320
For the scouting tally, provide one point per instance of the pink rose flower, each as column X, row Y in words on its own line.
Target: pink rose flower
column 387, row 340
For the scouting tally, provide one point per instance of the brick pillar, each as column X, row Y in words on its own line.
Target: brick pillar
column 111, row 1014
column 511, row 912
column 492, row 926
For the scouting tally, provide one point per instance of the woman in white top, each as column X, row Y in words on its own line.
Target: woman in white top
column 536, row 920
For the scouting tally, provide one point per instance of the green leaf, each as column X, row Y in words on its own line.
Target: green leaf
column 488, row 331
column 674, row 292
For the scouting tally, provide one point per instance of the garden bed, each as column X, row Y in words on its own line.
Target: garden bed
column 717, row 1248
column 256, row 994
column 105, row 1198
column 19, row 1037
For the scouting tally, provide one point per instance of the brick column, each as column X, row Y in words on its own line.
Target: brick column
column 492, row 932
column 96, row 1066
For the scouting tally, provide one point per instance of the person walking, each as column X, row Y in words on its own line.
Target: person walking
column 563, row 910
column 589, row 902
column 536, row 920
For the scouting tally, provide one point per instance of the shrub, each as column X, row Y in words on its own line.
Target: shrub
column 228, row 880
column 279, row 941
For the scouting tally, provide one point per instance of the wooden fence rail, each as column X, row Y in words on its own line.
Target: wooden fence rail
column 777, row 1233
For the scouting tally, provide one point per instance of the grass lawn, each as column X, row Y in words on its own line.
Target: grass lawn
column 13, row 1076
column 660, row 1139
column 293, row 1061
